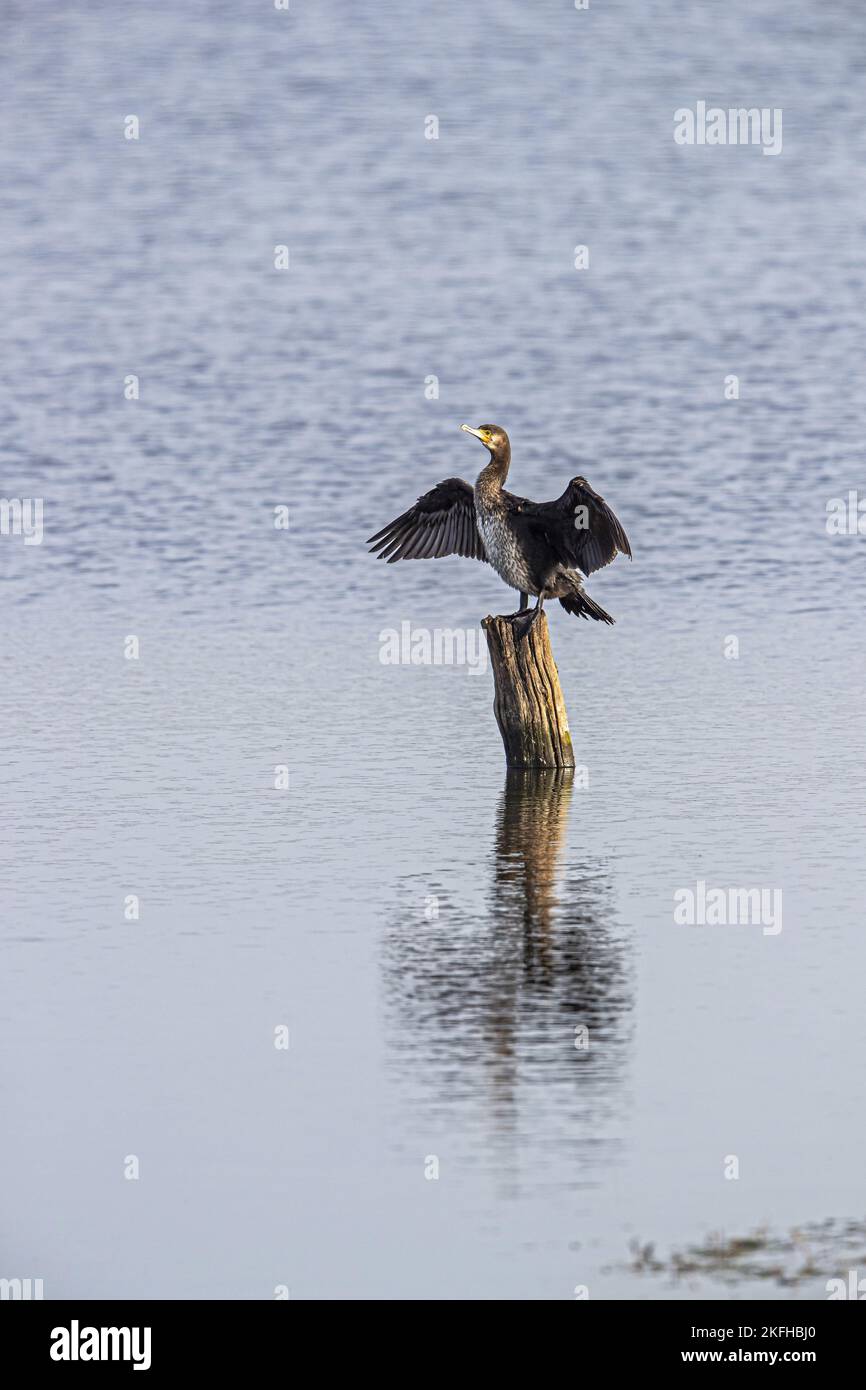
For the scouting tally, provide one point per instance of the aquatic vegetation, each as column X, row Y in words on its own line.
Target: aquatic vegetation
column 825, row 1249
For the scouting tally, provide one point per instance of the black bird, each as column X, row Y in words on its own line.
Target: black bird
column 539, row 548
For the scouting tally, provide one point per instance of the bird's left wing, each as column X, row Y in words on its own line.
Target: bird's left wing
column 580, row 527
column 442, row 522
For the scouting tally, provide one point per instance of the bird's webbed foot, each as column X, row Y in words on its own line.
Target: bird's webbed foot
column 523, row 622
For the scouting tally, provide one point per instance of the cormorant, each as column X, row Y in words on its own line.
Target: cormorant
column 538, row 548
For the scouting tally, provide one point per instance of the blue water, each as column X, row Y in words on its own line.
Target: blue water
column 430, row 933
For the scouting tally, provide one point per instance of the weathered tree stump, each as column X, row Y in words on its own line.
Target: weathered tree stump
column 529, row 707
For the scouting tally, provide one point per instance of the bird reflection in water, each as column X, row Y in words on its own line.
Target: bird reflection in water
column 517, row 1003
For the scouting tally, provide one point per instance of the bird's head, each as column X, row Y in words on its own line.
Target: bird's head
column 492, row 437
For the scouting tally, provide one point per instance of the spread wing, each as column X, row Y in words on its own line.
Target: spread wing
column 579, row 527
column 442, row 522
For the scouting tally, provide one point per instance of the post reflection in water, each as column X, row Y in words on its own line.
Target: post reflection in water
column 489, row 1000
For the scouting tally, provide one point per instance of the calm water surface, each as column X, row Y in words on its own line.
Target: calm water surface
column 433, row 933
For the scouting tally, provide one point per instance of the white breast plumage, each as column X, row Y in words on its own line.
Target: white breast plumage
column 503, row 551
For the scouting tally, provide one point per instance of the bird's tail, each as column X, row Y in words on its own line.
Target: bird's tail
column 581, row 604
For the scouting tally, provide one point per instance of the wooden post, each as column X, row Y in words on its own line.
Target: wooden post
column 529, row 707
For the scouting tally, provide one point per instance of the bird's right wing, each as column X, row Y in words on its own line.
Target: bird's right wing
column 442, row 522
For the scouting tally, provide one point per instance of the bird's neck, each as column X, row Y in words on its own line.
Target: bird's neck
column 492, row 478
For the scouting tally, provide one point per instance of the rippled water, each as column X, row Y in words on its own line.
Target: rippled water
column 435, row 936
